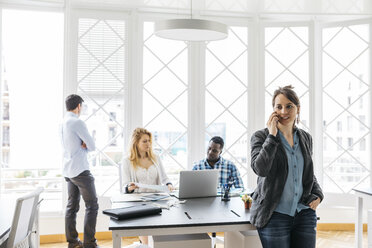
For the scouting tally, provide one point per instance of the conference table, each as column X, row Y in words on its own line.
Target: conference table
column 6, row 217
column 197, row 215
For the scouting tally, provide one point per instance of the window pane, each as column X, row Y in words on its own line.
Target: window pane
column 227, row 96
column 101, row 83
column 165, row 99
column 346, row 87
column 287, row 63
column 32, row 103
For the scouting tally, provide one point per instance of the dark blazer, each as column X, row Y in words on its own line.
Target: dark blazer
column 269, row 162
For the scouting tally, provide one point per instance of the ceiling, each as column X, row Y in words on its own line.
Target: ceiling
column 231, row 8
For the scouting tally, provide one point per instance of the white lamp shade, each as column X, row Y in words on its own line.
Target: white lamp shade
column 191, row 30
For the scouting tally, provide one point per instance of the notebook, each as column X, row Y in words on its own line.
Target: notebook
column 197, row 183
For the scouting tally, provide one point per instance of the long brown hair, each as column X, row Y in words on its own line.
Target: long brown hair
column 289, row 93
column 133, row 150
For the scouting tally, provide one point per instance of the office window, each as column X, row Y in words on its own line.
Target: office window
column 226, row 97
column 361, row 103
column 349, row 124
column 362, row 145
column 165, row 99
column 101, row 83
column 339, row 126
column 350, row 143
column 31, row 98
column 287, row 63
column 112, row 135
column 6, row 139
column 339, row 143
column 346, row 86
column 362, row 123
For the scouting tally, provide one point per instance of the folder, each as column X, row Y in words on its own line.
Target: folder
column 132, row 212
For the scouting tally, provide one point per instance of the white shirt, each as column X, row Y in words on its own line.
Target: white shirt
column 147, row 176
column 128, row 173
column 73, row 133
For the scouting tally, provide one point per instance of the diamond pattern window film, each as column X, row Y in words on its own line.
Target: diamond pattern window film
column 165, row 89
column 101, row 83
column 287, row 63
column 226, row 109
column 345, row 6
column 346, row 90
column 234, row 5
column 285, row 6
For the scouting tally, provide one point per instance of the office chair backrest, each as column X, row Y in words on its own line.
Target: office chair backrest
column 23, row 220
column 121, row 189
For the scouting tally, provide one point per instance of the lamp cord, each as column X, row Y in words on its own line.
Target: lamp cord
column 191, row 9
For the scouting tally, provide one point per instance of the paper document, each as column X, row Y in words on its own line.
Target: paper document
column 139, row 197
column 168, row 204
column 162, row 188
column 127, row 198
column 155, row 197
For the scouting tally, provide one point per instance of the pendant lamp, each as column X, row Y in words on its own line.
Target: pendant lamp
column 191, row 29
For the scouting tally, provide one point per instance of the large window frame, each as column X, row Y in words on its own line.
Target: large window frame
column 71, row 81
column 38, row 174
column 335, row 199
column 196, row 107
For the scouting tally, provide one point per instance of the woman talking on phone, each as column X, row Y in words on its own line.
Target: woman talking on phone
column 287, row 193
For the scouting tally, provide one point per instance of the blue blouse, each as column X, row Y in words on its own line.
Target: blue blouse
column 289, row 201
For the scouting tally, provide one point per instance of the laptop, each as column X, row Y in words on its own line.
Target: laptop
column 198, row 183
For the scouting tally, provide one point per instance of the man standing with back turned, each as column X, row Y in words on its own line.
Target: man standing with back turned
column 77, row 142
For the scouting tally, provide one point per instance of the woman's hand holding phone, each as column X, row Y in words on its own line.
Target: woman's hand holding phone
column 272, row 124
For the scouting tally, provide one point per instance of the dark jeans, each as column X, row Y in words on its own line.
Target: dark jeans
column 285, row 231
column 82, row 185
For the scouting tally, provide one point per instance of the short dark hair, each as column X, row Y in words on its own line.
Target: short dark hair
column 289, row 93
column 218, row 140
column 72, row 101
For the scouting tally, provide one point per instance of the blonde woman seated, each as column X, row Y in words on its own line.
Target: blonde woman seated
column 142, row 165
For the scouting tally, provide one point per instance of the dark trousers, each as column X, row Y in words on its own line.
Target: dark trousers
column 284, row 231
column 82, row 185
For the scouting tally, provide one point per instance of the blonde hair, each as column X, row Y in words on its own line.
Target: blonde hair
column 133, row 150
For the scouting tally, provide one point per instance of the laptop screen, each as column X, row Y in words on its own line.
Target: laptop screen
column 198, row 183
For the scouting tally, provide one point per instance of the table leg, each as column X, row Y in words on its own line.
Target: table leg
column 213, row 240
column 116, row 240
column 359, row 223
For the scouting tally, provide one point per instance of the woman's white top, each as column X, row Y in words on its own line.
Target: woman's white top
column 147, row 176
column 155, row 173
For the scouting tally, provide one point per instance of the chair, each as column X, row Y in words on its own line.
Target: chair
column 23, row 220
column 121, row 179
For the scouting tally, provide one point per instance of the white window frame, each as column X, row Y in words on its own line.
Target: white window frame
column 333, row 199
column 19, row 5
column 71, row 61
column 256, row 97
